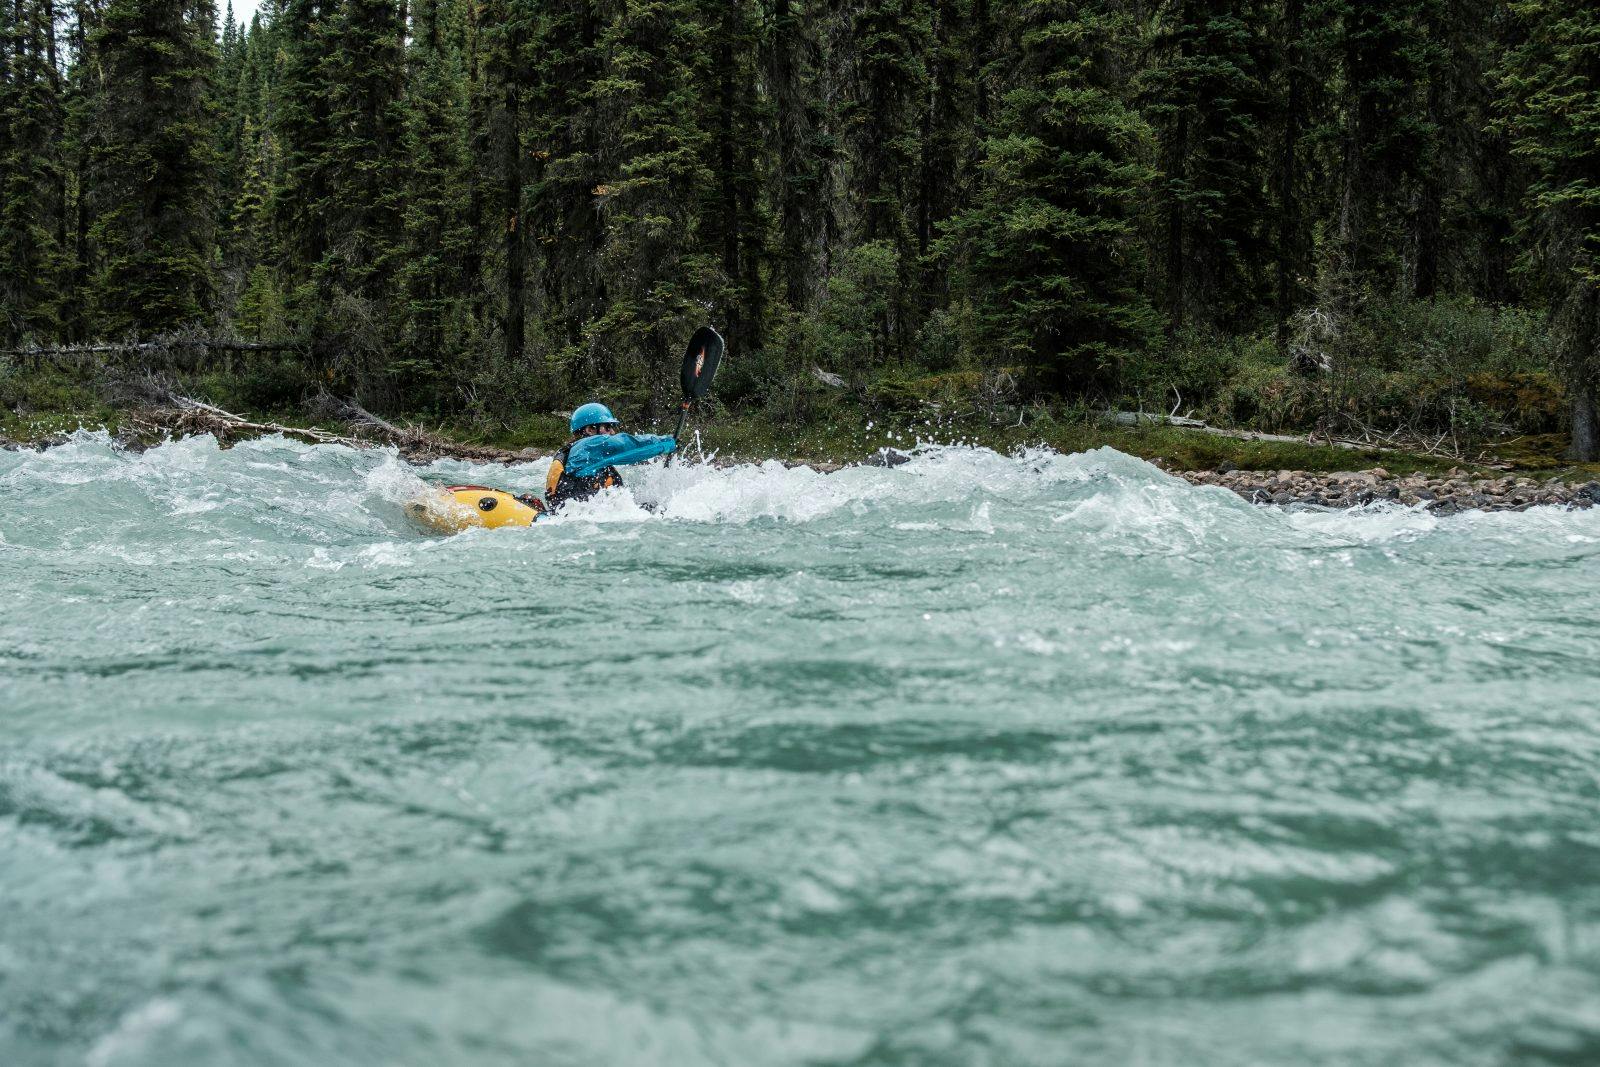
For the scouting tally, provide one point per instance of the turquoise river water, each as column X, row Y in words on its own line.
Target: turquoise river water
column 979, row 760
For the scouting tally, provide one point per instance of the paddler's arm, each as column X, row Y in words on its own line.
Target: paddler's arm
column 645, row 446
column 589, row 456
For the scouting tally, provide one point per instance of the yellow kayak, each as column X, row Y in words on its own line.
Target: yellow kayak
column 452, row 508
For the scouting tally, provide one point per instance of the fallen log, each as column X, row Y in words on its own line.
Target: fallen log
column 147, row 346
column 190, row 416
column 186, row 415
column 1146, row 418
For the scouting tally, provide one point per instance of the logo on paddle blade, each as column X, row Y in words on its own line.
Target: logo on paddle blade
column 699, row 362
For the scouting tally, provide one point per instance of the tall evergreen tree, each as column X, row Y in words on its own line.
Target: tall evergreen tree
column 948, row 116
column 230, row 114
column 337, row 114
column 651, row 254
column 78, row 113
column 1482, row 185
column 1209, row 97
column 364, row 222
column 734, row 221
column 250, row 243
column 436, row 233
column 32, row 196
column 1053, row 266
column 153, row 163
column 1386, row 137
column 502, row 163
column 1552, row 84
column 566, row 171
column 1299, row 78
column 1430, row 183
column 890, row 42
column 302, row 120
column 804, row 147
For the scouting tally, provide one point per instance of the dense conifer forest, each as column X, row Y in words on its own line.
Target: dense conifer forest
column 1279, row 212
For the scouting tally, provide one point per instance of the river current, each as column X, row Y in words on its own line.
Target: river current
column 978, row 760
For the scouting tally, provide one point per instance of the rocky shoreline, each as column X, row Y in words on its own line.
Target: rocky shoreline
column 1453, row 491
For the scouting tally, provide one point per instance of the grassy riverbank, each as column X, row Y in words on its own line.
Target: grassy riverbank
column 832, row 426
column 750, row 437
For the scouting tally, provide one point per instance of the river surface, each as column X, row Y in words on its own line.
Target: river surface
column 979, row 760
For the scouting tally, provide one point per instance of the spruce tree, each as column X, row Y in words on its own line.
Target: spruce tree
column 336, row 114
column 651, row 254
column 734, row 223
column 1209, row 98
column 1051, row 261
column 302, row 121
column 78, row 113
column 32, row 201
column 890, row 42
column 804, row 146
column 232, row 152
column 1430, row 184
column 1299, row 34
column 1386, row 138
column 250, row 238
column 500, row 159
column 565, row 142
column 153, row 162
column 947, row 134
column 363, row 221
column 1483, row 186
column 1552, row 114
column 436, row 233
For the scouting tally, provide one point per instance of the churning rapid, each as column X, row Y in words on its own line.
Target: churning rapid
column 1038, row 759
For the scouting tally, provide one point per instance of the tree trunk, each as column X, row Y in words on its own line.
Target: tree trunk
column 75, row 319
column 472, row 262
column 930, row 107
column 727, row 191
column 1427, row 220
column 1425, row 268
column 792, row 244
column 1176, row 261
column 1287, row 289
column 516, row 262
column 1585, row 426
column 1495, row 274
column 1581, row 341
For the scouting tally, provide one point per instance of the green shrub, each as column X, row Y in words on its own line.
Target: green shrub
column 46, row 387
column 1449, row 365
column 1191, row 372
column 854, row 317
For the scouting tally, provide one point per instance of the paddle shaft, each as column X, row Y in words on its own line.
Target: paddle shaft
column 677, row 435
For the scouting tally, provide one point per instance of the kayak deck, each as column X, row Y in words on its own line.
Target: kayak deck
column 453, row 508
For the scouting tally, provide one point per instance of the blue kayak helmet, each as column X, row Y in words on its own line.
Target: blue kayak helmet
column 591, row 415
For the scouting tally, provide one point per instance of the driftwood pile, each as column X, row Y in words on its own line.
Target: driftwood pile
column 182, row 416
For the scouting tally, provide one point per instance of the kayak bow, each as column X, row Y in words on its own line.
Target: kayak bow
column 453, row 508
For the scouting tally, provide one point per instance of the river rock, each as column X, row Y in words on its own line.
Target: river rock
column 1445, row 494
column 888, row 457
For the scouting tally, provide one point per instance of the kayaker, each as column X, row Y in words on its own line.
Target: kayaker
column 588, row 464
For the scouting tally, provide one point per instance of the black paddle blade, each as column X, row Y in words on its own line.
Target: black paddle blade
column 700, row 362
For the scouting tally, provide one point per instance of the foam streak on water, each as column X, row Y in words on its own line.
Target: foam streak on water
column 1037, row 759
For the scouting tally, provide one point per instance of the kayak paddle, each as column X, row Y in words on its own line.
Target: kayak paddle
column 700, row 362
